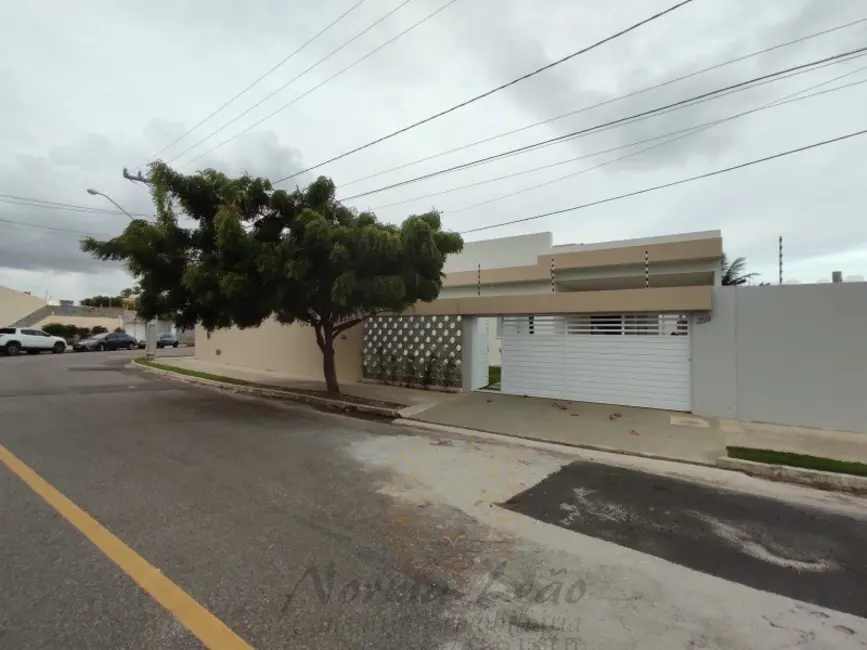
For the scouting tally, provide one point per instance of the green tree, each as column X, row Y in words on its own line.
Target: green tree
column 734, row 271
column 103, row 301
column 254, row 252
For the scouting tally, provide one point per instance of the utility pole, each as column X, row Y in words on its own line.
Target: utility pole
column 151, row 326
column 780, row 261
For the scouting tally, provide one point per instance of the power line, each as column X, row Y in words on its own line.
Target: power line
column 337, row 74
column 605, row 125
column 655, row 188
column 11, row 198
column 692, row 130
column 608, row 101
column 268, row 73
column 36, row 226
column 54, row 205
column 292, row 80
column 494, row 90
column 640, row 151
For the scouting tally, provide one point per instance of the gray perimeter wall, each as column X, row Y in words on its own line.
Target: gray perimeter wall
column 792, row 354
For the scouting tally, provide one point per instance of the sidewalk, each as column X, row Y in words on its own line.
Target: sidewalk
column 647, row 432
column 644, row 432
column 389, row 394
column 624, row 429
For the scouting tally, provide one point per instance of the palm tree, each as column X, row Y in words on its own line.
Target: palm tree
column 733, row 273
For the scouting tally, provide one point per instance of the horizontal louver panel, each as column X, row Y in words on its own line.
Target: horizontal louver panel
column 630, row 359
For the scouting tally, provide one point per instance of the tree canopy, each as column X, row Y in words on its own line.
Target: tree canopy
column 244, row 252
column 103, row 301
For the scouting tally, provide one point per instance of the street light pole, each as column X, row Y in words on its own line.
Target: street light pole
column 94, row 192
column 151, row 327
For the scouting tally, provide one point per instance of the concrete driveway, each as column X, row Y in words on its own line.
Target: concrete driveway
column 139, row 512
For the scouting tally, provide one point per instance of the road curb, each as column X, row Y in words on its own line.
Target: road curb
column 536, row 442
column 333, row 404
column 809, row 477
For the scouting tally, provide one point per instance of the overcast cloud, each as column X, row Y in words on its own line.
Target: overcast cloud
column 93, row 86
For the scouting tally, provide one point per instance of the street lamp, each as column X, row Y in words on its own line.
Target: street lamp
column 93, row 192
column 150, row 327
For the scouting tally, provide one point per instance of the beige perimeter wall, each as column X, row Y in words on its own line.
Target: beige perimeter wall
column 289, row 349
column 15, row 305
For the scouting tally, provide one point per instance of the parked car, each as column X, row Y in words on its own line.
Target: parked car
column 14, row 340
column 166, row 340
column 108, row 341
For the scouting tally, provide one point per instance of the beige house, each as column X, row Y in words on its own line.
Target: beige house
column 642, row 322
column 503, row 279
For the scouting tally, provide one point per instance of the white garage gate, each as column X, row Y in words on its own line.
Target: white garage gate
column 629, row 359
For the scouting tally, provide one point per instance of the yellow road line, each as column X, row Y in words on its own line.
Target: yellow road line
column 209, row 629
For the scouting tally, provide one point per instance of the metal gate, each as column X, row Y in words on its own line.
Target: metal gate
column 630, row 359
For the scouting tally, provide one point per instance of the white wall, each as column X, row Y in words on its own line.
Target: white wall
column 522, row 250
column 474, row 352
column 138, row 328
column 495, row 342
column 643, row 241
column 792, row 354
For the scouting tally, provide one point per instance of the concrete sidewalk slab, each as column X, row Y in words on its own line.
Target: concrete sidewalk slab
column 407, row 397
column 644, row 432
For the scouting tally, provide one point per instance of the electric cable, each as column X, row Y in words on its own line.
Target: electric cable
column 624, row 120
column 262, row 77
column 608, row 101
column 682, row 133
column 655, row 188
column 319, row 85
column 277, row 90
column 492, row 91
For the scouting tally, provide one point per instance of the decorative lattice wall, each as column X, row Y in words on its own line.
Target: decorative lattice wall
column 413, row 350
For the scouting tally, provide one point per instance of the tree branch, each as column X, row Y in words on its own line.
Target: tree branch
column 352, row 323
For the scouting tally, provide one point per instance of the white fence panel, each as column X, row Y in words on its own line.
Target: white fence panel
column 629, row 359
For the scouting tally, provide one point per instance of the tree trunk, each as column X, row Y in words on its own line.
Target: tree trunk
column 325, row 338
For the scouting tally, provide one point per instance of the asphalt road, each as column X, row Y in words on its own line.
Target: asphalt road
column 232, row 499
column 809, row 554
column 142, row 512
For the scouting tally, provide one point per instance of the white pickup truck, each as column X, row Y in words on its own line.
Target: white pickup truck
column 15, row 340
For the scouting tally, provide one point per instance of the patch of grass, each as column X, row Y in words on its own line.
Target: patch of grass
column 494, row 375
column 194, row 373
column 790, row 459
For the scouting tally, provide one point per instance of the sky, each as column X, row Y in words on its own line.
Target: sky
column 94, row 86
